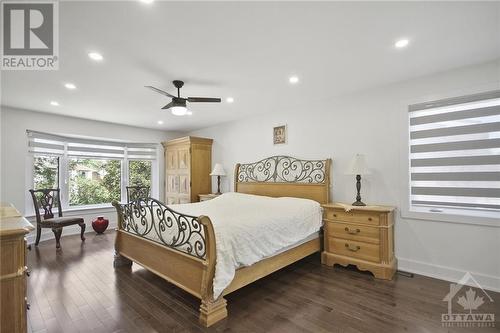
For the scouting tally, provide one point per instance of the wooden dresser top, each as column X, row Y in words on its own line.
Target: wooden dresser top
column 337, row 205
column 12, row 222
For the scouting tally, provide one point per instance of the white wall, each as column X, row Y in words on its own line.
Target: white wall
column 15, row 122
column 374, row 123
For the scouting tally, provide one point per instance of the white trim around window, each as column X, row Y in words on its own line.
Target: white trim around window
column 445, row 214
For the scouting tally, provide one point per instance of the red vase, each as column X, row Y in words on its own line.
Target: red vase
column 100, row 224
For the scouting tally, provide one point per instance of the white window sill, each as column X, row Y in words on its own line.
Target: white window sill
column 450, row 215
column 75, row 211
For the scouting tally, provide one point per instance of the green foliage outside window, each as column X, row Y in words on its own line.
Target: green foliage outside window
column 45, row 172
column 94, row 181
column 91, row 181
column 139, row 173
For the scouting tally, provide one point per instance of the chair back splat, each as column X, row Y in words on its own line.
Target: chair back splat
column 46, row 199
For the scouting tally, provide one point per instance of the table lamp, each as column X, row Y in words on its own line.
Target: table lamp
column 358, row 167
column 219, row 172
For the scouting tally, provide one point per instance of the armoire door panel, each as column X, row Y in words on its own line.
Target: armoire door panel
column 172, row 200
column 184, row 200
column 172, row 183
column 184, row 184
column 183, row 158
column 172, row 159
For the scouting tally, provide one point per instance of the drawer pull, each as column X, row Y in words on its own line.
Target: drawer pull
column 352, row 232
column 369, row 219
column 334, row 215
column 352, row 248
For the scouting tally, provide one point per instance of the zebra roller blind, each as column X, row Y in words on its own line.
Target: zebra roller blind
column 51, row 144
column 455, row 153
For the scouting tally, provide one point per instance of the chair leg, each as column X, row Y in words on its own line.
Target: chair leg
column 82, row 225
column 57, row 233
column 38, row 234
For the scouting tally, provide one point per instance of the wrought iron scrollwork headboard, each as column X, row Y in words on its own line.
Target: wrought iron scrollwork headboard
column 285, row 176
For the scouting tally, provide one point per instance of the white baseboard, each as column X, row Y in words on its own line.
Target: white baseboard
column 47, row 233
column 487, row 282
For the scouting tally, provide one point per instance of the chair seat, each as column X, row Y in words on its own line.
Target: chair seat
column 61, row 221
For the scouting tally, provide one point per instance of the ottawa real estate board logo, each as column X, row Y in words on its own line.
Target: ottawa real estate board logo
column 466, row 299
column 30, row 35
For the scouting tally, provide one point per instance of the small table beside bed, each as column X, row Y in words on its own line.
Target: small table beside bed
column 215, row 247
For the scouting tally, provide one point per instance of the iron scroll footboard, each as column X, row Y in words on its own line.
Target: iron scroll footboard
column 151, row 219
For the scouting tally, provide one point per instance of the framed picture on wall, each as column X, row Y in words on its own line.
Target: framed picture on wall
column 279, row 134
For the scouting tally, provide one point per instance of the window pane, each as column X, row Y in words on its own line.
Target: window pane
column 139, row 173
column 45, row 172
column 94, row 181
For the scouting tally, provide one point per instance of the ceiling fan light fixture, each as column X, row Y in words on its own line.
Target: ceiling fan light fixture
column 179, row 110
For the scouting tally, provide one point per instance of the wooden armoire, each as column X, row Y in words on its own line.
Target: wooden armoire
column 188, row 163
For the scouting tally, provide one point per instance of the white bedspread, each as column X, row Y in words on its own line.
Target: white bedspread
column 249, row 228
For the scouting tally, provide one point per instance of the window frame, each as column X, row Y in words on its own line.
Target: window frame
column 64, row 174
column 449, row 215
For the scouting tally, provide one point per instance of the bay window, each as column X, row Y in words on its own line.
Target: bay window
column 90, row 173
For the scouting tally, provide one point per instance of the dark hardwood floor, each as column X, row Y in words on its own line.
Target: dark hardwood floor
column 77, row 289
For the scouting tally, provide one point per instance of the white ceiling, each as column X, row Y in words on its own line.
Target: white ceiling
column 247, row 51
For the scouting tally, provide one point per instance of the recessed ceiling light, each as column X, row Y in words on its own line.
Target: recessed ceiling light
column 70, row 86
column 293, row 79
column 147, row 1
column 95, row 56
column 160, row 122
column 54, row 103
column 229, row 100
column 401, row 43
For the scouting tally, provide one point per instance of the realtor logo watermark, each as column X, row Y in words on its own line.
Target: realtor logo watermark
column 464, row 303
column 30, row 35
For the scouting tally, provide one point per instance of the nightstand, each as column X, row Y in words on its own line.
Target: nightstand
column 205, row 197
column 363, row 236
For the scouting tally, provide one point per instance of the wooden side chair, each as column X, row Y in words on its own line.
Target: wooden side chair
column 44, row 199
column 137, row 192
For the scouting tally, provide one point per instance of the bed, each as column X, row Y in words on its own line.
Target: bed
column 215, row 247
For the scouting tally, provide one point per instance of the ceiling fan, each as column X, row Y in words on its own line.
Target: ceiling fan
column 178, row 104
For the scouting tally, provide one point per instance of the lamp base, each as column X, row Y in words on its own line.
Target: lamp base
column 358, row 203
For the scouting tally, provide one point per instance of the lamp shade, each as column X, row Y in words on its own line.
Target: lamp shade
column 358, row 166
column 218, row 170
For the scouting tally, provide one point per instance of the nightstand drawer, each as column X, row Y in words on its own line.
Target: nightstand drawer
column 354, row 249
column 357, row 217
column 356, row 232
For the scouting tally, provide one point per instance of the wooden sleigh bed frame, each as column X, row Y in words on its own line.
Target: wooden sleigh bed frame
column 188, row 260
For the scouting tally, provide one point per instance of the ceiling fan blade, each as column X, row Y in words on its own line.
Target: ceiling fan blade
column 203, row 99
column 159, row 91
column 168, row 106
